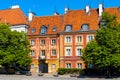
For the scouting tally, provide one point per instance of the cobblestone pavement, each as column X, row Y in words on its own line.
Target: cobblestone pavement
column 24, row 77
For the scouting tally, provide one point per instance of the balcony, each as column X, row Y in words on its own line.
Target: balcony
column 42, row 57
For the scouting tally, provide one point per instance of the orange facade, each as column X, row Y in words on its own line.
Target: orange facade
column 58, row 41
column 72, row 31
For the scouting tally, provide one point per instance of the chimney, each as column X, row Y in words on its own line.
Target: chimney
column 66, row 10
column 88, row 9
column 56, row 13
column 30, row 16
column 15, row 6
column 100, row 9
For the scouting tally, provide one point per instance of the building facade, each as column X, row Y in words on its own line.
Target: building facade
column 45, row 43
column 57, row 41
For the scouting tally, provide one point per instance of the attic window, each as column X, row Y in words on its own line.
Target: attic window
column 54, row 28
column 68, row 28
column 85, row 27
column 103, row 23
column 43, row 30
column 33, row 30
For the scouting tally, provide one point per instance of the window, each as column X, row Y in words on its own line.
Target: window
column 79, row 52
column 68, row 65
column 68, row 51
column 33, row 30
column 85, row 27
column 90, row 37
column 54, row 28
column 32, row 53
column 43, row 30
column 103, row 23
column 32, row 66
column 42, row 42
column 32, row 42
column 68, row 28
column 68, row 39
column 42, row 52
column 53, row 52
column 91, row 66
column 79, row 65
column 53, row 66
column 79, row 38
column 53, row 41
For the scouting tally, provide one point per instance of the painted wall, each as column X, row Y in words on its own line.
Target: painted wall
column 49, row 59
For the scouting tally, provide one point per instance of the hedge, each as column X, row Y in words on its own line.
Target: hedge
column 63, row 71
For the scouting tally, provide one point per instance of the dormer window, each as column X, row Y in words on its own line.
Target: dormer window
column 68, row 28
column 33, row 30
column 43, row 30
column 103, row 23
column 85, row 27
column 54, row 28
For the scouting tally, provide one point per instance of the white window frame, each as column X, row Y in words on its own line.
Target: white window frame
column 79, row 40
column 77, row 53
column 52, row 52
column 32, row 42
column 32, row 66
column 90, row 37
column 79, row 65
column 68, row 65
column 32, row 53
column 42, row 54
column 53, row 41
column 68, row 39
column 42, row 42
column 53, row 66
column 66, row 51
column 68, row 28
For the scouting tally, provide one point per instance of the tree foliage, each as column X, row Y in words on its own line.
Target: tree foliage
column 104, row 51
column 14, row 47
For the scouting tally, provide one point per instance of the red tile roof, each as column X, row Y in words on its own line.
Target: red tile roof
column 76, row 18
column 13, row 16
column 48, row 21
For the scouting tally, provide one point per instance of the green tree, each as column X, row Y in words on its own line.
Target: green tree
column 14, row 47
column 104, row 51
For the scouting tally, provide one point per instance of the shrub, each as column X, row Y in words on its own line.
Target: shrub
column 63, row 71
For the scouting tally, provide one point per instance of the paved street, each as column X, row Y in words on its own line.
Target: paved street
column 23, row 77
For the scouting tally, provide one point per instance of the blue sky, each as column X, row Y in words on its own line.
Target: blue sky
column 48, row 7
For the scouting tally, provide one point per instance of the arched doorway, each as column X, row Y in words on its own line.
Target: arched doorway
column 43, row 67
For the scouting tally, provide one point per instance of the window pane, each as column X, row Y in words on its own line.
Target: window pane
column 79, row 65
column 68, row 65
column 43, row 30
column 53, row 41
column 32, row 66
column 68, row 28
column 90, row 37
column 53, row 66
column 85, row 27
column 68, row 52
column 79, row 38
column 32, row 42
column 32, row 53
column 42, row 52
column 68, row 39
column 54, row 29
column 33, row 30
column 53, row 52
column 79, row 52
column 42, row 42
